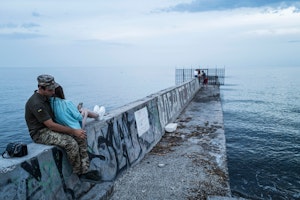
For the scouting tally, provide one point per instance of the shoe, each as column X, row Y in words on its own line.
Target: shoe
column 100, row 111
column 91, row 176
column 96, row 109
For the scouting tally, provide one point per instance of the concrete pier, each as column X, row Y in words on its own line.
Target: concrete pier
column 189, row 163
column 115, row 144
column 134, row 156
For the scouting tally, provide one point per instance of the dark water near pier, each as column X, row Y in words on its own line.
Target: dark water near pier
column 262, row 125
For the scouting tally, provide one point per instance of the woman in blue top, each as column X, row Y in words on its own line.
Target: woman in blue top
column 66, row 113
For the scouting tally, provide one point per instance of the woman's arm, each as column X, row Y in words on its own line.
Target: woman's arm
column 84, row 114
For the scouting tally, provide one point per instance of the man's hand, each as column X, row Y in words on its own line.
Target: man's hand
column 80, row 133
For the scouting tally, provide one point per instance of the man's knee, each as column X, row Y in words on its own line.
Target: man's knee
column 70, row 144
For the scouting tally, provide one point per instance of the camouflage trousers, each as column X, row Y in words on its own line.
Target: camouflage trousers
column 75, row 148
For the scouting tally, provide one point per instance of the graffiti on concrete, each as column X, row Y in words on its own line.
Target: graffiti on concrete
column 172, row 102
column 114, row 145
column 43, row 173
column 113, row 148
column 118, row 145
column 125, row 139
column 33, row 168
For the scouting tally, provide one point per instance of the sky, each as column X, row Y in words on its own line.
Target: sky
column 149, row 33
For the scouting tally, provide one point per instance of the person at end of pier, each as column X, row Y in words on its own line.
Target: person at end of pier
column 199, row 75
column 205, row 78
column 196, row 73
column 97, row 113
column 44, row 130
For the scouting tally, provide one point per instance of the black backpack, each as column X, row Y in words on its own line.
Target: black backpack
column 15, row 150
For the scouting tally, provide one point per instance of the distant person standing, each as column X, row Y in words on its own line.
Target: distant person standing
column 199, row 76
column 39, row 118
column 205, row 78
column 203, row 74
column 196, row 72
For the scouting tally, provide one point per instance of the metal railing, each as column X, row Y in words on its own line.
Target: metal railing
column 216, row 76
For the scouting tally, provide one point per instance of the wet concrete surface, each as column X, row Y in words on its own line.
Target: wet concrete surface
column 189, row 163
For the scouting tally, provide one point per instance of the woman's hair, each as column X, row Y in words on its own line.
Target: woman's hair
column 59, row 92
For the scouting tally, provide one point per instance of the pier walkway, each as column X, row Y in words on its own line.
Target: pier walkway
column 189, row 163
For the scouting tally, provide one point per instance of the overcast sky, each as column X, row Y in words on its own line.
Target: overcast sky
column 149, row 33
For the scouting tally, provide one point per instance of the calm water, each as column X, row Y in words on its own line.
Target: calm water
column 261, row 115
column 262, row 125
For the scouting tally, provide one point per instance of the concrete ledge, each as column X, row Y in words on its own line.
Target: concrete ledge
column 43, row 174
column 189, row 163
column 100, row 191
column 116, row 143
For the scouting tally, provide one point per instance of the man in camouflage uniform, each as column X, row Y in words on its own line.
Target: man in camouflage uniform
column 39, row 118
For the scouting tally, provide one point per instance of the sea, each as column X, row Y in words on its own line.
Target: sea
column 261, row 109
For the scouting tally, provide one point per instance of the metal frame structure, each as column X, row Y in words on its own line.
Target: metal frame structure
column 216, row 76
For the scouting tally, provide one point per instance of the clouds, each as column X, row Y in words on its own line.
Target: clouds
column 19, row 36
column 212, row 5
column 35, row 14
column 11, row 31
column 148, row 33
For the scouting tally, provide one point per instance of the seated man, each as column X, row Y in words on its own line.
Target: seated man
column 39, row 118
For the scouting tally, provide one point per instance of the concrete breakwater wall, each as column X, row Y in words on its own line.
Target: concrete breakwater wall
column 116, row 143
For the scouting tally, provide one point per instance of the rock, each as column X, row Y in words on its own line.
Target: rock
column 171, row 127
column 161, row 165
